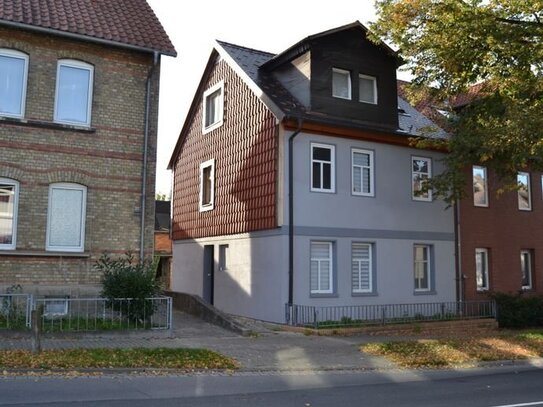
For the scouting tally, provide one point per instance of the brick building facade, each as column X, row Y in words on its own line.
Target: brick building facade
column 65, row 174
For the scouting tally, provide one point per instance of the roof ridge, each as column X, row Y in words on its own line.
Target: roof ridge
column 246, row 48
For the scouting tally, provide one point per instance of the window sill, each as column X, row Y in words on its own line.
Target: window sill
column 45, row 124
column 26, row 253
column 431, row 292
column 372, row 294
column 323, row 295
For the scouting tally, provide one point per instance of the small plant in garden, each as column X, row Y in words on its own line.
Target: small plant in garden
column 124, row 278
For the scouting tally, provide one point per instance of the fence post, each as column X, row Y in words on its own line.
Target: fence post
column 36, row 319
column 442, row 310
column 383, row 315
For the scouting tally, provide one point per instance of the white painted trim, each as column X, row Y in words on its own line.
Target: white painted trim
column 349, row 85
column 331, row 268
column 332, row 162
column 417, row 198
column 374, row 80
column 15, row 184
column 71, row 63
column 485, row 271
column 11, row 53
column 428, row 265
column 207, row 93
column 486, row 185
column 372, row 172
column 277, row 112
column 77, row 187
column 211, row 205
column 527, row 174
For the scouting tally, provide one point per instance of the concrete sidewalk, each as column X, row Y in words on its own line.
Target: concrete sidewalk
column 267, row 351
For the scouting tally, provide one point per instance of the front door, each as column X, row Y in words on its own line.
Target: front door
column 209, row 268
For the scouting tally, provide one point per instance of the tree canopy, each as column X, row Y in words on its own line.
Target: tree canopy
column 451, row 45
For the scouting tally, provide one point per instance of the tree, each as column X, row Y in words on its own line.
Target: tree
column 449, row 46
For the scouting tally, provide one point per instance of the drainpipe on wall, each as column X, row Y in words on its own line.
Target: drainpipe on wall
column 145, row 153
column 458, row 254
column 291, row 213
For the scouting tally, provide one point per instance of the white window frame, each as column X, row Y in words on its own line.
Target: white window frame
column 318, row 260
column 349, row 84
column 527, row 174
column 371, row 168
column 485, row 205
column 15, row 184
column 72, row 63
column 11, row 53
column 374, row 80
column 370, row 267
column 530, row 269
column 219, row 122
column 413, row 196
column 211, row 205
column 485, row 272
column 332, row 163
column 428, row 267
column 72, row 186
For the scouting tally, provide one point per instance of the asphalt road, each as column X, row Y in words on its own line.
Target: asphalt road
column 508, row 386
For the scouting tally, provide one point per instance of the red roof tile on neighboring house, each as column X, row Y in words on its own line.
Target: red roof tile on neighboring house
column 129, row 22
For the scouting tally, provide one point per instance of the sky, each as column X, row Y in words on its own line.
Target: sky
column 193, row 26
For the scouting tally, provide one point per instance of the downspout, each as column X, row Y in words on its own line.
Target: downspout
column 145, row 153
column 458, row 255
column 291, row 213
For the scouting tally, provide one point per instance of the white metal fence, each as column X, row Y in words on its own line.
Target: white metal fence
column 63, row 314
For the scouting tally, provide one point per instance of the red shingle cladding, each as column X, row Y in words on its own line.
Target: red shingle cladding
column 245, row 150
column 130, row 22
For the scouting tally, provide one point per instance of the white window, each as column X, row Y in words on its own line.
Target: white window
column 526, row 268
column 213, row 107
column 421, row 254
column 361, row 268
column 362, row 172
column 55, row 307
column 367, row 89
column 421, row 171
column 480, row 186
column 524, row 191
column 13, row 77
column 481, row 269
column 223, row 250
column 341, row 83
column 73, row 97
column 9, row 196
column 321, row 268
column 66, row 217
column 207, row 185
column 322, row 168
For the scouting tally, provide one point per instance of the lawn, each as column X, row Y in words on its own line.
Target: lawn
column 157, row 358
column 456, row 352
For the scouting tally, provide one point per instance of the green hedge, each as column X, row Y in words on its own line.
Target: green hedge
column 519, row 311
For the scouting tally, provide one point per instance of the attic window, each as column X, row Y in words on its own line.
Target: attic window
column 367, row 89
column 213, row 107
column 341, row 83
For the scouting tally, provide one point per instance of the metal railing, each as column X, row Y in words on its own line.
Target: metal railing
column 15, row 311
column 359, row 315
column 102, row 314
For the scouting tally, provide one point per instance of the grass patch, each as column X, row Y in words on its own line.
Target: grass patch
column 158, row 358
column 438, row 353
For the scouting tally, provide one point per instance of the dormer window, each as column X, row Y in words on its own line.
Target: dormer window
column 367, row 89
column 341, row 83
column 213, row 107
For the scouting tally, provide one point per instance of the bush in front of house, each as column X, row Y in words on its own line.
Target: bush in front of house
column 519, row 311
column 123, row 278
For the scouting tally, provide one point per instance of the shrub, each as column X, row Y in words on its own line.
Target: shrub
column 518, row 311
column 124, row 278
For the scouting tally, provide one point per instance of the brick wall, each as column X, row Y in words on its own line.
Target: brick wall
column 245, row 150
column 107, row 159
column 504, row 230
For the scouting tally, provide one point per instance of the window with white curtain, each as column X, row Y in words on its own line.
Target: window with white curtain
column 213, row 108
column 9, row 196
column 73, row 99
column 361, row 268
column 362, row 172
column 341, row 83
column 367, row 89
column 66, row 217
column 13, row 78
column 321, row 268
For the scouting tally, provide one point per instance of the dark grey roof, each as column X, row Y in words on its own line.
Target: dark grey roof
column 412, row 122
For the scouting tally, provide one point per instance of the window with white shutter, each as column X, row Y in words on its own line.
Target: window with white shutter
column 361, row 268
